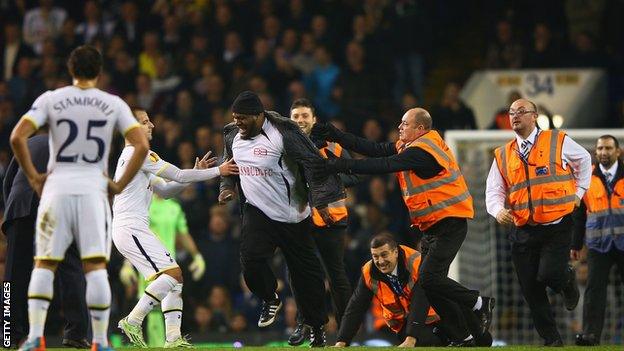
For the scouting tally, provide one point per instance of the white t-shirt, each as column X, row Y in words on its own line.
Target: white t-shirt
column 268, row 182
column 81, row 125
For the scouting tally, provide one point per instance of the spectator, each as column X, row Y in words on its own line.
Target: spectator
column 94, row 25
column 271, row 31
column 220, row 251
column 130, row 26
column 68, row 39
column 12, row 50
column 303, row 60
column 150, row 54
column 451, row 112
column 221, row 306
column 504, row 52
column 320, row 82
column 203, row 319
column 203, row 140
column 238, row 324
column 501, row 118
column 543, row 53
column 357, row 88
column 123, row 73
column 145, row 94
column 585, row 54
column 43, row 22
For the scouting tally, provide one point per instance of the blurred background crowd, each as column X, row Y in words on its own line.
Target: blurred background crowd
column 362, row 63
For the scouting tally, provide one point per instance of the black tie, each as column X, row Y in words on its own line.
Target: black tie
column 524, row 150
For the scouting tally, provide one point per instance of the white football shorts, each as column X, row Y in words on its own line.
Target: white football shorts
column 63, row 218
column 143, row 249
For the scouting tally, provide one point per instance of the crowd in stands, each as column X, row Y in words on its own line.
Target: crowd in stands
column 362, row 63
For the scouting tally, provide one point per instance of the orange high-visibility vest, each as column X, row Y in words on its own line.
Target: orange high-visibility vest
column 337, row 209
column 604, row 227
column 395, row 308
column 444, row 195
column 539, row 190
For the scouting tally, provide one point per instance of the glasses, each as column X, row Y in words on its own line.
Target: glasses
column 519, row 113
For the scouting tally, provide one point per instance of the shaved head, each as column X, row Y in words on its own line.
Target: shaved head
column 415, row 122
column 421, row 117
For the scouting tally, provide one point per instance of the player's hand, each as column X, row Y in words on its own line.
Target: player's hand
column 410, row 341
column 205, row 162
column 225, row 196
column 575, row 255
column 228, row 168
column 113, row 188
column 504, row 216
column 577, row 201
column 340, row 344
column 37, row 182
column 197, row 267
column 324, row 212
column 127, row 275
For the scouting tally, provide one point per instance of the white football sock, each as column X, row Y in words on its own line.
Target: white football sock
column 40, row 292
column 98, row 301
column 172, row 310
column 154, row 294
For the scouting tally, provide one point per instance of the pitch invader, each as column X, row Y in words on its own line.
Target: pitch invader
column 74, row 203
column 136, row 242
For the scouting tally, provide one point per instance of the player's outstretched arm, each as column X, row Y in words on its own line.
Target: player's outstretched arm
column 138, row 140
column 173, row 173
column 19, row 143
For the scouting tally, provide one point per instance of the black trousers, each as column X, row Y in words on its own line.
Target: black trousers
column 440, row 245
column 71, row 283
column 330, row 242
column 541, row 260
column 260, row 237
column 594, row 303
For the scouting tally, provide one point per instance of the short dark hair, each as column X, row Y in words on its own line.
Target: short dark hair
column 303, row 102
column 609, row 136
column 85, row 62
column 382, row 239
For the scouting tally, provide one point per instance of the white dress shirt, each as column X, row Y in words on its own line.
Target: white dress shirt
column 612, row 170
column 573, row 154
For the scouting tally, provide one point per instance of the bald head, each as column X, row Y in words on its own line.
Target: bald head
column 420, row 117
column 415, row 122
column 523, row 117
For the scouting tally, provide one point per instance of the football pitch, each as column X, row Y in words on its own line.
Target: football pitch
column 501, row 348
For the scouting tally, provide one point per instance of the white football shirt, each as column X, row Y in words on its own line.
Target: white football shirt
column 267, row 180
column 81, row 125
column 132, row 204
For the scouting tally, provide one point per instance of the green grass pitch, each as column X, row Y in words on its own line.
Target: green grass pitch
column 503, row 348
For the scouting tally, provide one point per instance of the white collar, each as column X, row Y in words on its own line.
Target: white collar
column 395, row 271
column 531, row 138
column 612, row 169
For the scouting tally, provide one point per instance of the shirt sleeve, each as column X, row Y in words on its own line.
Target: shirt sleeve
column 413, row 159
column 164, row 188
column 125, row 119
column 580, row 160
column 354, row 314
column 153, row 164
column 38, row 113
column 495, row 191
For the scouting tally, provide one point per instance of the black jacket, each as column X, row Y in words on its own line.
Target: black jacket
column 19, row 198
column 362, row 297
column 298, row 148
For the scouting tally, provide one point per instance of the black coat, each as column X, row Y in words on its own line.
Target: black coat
column 19, row 198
